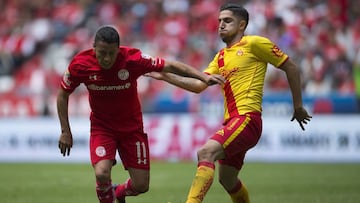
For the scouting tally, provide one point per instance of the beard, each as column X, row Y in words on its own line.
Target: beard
column 227, row 39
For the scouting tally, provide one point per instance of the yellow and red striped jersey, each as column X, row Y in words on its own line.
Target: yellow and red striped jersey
column 244, row 66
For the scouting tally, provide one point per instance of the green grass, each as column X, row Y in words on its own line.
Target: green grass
column 267, row 183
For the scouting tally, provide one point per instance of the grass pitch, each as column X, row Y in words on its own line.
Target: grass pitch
column 267, row 183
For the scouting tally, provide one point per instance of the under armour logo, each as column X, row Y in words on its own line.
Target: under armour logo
column 93, row 77
column 141, row 161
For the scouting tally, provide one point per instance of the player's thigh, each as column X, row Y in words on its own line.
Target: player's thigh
column 239, row 135
column 102, row 147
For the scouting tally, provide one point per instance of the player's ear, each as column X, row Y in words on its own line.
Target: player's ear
column 242, row 24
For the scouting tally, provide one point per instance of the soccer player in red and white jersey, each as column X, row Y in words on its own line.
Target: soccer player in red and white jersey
column 109, row 72
column 243, row 64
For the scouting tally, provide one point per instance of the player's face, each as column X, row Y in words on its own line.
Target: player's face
column 229, row 27
column 106, row 54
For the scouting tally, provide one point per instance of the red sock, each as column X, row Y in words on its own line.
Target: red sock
column 125, row 189
column 105, row 192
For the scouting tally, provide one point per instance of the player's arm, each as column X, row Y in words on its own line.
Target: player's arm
column 65, row 140
column 187, row 83
column 185, row 70
column 293, row 77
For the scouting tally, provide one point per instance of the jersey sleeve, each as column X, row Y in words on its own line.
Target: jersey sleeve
column 213, row 67
column 70, row 81
column 147, row 63
column 267, row 51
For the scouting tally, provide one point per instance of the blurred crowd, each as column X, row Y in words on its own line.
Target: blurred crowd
column 39, row 37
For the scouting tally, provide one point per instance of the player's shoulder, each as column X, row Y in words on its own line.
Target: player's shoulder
column 255, row 38
column 83, row 62
column 134, row 55
column 85, row 54
column 127, row 51
column 84, row 58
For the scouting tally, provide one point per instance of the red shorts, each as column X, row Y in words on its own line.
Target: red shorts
column 238, row 135
column 133, row 148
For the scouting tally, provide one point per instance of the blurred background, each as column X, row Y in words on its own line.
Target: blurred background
column 39, row 37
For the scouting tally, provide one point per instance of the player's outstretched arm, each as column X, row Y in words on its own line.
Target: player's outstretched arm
column 187, row 83
column 185, row 70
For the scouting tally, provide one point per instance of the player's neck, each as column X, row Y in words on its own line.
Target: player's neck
column 235, row 40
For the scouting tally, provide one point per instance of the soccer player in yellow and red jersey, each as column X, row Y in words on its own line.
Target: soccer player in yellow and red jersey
column 243, row 64
column 110, row 72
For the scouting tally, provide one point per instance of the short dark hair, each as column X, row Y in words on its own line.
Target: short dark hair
column 107, row 34
column 237, row 10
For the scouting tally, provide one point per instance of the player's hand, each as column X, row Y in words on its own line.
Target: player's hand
column 65, row 143
column 215, row 79
column 301, row 116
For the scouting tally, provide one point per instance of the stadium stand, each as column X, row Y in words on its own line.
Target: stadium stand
column 37, row 39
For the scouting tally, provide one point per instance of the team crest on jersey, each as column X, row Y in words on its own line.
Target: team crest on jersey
column 123, row 74
column 277, row 51
column 239, row 52
column 100, row 151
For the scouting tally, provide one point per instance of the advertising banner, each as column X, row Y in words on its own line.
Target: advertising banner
column 176, row 137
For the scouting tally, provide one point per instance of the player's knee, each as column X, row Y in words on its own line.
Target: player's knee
column 211, row 151
column 141, row 187
column 102, row 175
column 204, row 153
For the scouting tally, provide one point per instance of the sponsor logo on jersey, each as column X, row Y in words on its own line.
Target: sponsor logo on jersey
column 92, row 77
column 228, row 73
column 277, row 51
column 233, row 123
column 106, row 88
column 66, row 78
column 123, row 74
column 220, row 132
